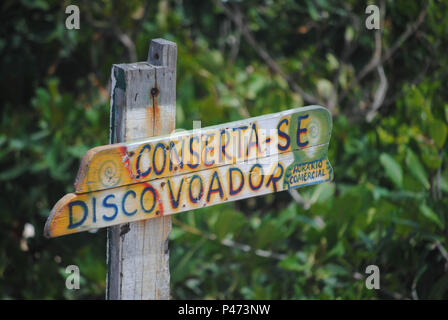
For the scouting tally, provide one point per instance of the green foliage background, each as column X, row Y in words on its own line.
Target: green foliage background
column 387, row 206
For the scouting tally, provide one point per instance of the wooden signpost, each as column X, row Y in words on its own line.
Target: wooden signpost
column 160, row 176
column 148, row 177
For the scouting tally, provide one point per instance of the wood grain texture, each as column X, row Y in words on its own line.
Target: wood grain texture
column 299, row 137
column 191, row 191
column 147, row 159
column 143, row 104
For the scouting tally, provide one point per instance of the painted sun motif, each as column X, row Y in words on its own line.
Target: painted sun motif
column 313, row 129
column 109, row 174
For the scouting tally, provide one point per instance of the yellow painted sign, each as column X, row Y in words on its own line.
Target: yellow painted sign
column 188, row 170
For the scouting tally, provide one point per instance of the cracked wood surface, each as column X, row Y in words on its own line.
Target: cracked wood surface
column 143, row 104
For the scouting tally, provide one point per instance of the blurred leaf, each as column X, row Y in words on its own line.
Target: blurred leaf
column 440, row 288
column 392, row 168
column 349, row 34
column 438, row 131
column 228, row 222
column 416, row 168
column 431, row 215
column 293, row 263
column 267, row 235
column 430, row 156
column 13, row 173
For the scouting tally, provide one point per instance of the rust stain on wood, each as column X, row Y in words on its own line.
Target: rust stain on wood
column 155, row 92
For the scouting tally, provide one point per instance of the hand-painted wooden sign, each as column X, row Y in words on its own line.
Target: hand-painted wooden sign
column 186, row 170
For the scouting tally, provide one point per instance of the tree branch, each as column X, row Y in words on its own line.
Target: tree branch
column 228, row 242
column 298, row 198
column 237, row 17
column 380, row 94
column 375, row 61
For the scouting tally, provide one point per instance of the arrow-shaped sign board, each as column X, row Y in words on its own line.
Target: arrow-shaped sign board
column 143, row 179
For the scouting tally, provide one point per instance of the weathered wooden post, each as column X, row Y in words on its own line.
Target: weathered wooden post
column 143, row 104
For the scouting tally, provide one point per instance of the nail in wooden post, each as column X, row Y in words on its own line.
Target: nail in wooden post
column 143, row 104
